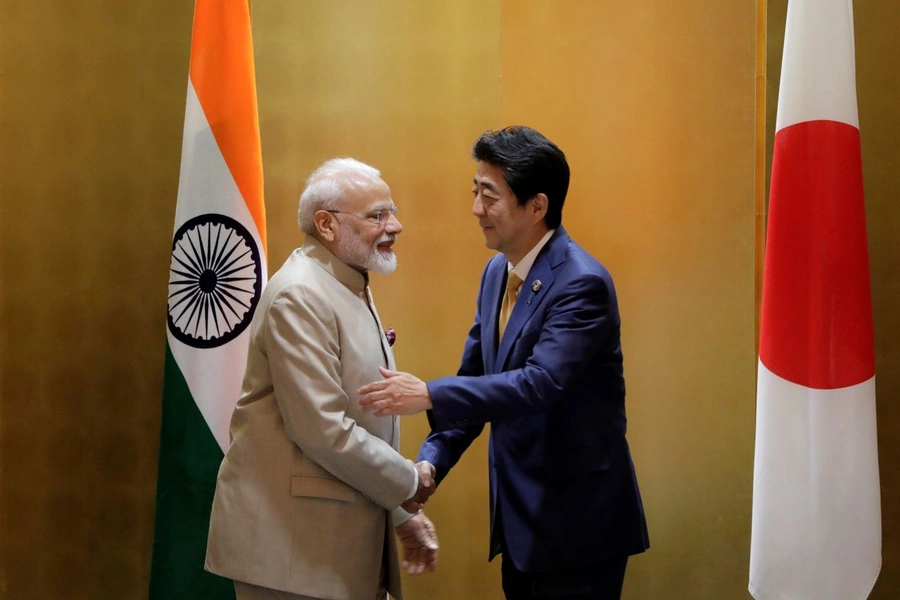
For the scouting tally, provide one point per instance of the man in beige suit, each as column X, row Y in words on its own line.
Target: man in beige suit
column 311, row 485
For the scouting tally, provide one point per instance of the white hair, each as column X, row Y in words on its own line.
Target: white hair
column 325, row 188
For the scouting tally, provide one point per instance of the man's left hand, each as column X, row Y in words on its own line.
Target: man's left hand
column 420, row 544
column 397, row 394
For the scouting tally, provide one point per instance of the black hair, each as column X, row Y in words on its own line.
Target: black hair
column 531, row 165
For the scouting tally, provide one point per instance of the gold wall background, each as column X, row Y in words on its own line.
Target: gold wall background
column 654, row 104
column 91, row 112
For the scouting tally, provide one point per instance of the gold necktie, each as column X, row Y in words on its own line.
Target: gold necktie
column 513, row 283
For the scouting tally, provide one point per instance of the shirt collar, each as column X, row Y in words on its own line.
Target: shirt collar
column 524, row 265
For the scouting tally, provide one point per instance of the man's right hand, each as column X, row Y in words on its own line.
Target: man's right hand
column 427, row 487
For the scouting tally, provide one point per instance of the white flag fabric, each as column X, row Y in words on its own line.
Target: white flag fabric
column 816, row 532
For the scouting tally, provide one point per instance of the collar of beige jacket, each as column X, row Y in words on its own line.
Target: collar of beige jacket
column 338, row 269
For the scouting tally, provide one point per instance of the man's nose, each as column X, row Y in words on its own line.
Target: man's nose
column 478, row 207
column 393, row 225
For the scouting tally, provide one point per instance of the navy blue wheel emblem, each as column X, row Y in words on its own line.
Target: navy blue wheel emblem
column 215, row 281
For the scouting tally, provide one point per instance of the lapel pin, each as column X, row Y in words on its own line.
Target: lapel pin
column 535, row 286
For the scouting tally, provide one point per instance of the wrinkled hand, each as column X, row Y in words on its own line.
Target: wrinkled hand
column 427, row 487
column 397, row 394
column 420, row 545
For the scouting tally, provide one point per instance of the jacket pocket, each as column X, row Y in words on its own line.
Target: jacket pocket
column 322, row 487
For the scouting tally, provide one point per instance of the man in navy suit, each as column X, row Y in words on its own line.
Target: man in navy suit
column 543, row 365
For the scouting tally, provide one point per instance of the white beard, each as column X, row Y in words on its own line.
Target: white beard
column 354, row 252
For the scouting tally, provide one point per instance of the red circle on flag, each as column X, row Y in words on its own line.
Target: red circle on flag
column 816, row 327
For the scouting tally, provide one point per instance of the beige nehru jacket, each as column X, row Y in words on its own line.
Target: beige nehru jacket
column 304, row 491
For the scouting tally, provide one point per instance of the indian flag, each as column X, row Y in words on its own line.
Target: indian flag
column 816, row 529
column 217, row 273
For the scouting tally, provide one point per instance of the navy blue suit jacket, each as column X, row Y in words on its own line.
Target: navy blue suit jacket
column 562, row 484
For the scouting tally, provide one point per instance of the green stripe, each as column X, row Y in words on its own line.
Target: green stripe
column 189, row 459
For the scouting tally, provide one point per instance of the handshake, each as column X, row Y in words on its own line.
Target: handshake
column 426, row 489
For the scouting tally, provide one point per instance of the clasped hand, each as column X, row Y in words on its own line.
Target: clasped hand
column 427, row 487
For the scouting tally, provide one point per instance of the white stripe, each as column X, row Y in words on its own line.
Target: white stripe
column 206, row 185
column 818, row 77
column 816, row 529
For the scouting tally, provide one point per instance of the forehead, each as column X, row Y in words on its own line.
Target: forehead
column 490, row 176
column 366, row 194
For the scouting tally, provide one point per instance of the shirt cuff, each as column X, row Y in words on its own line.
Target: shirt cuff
column 415, row 487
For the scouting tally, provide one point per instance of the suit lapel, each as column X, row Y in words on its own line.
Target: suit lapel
column 385, row 346
column 389, row 363
column 491, row 296
column 535, row 287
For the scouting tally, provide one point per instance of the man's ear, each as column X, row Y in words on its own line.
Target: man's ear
column 325, row 225
column 539, row 205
